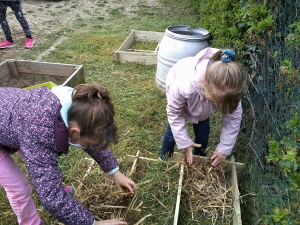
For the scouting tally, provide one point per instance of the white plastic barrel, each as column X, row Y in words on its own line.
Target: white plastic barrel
column 178, row 42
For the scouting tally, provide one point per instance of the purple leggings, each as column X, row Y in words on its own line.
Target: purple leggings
column 16, row 7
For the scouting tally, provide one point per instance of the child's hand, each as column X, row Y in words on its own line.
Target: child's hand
column 217, row 158
column 189, row 153
column 111, row 222
column 121, row 180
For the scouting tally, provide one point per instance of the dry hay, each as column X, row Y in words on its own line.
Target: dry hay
column 153, row 202
column 209, row 192
column 104, row 200
column 206, row 190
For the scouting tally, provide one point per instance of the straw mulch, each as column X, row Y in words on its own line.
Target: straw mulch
column 153, row 202
column 103, row 199
column 210, row 193
column 206, row 190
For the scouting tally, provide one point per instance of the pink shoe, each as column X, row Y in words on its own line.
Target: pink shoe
column 29, row 42
column 7, row 44
column 69, row 190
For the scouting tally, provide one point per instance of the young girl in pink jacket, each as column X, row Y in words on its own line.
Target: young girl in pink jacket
column 42, row 123
column 196, row 87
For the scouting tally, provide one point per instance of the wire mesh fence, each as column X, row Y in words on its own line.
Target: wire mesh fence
column 273, row 99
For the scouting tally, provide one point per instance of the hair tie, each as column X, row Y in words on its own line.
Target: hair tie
column 227, row 55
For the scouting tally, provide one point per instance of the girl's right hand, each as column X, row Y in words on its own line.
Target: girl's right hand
column 189, row 153
column 111, row 222
column 122, row 181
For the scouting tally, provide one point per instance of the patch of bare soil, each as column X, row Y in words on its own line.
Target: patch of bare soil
column 45, row 17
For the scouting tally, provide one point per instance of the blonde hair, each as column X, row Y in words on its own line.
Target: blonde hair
column 94, row 112
column 224, row 82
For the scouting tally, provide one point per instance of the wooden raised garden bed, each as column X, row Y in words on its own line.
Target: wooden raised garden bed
column 152, row 203
column 165, row 192
column 23, row 73
column 183, row 214
column 147, row 57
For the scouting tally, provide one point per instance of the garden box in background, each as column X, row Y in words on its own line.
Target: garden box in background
column 23, row 73
column 142, row 56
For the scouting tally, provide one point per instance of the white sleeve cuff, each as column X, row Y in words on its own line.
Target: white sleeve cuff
column 113, row 171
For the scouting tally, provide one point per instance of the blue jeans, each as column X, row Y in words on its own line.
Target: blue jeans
column 201, row 132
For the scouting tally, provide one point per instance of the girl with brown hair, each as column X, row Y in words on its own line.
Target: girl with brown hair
column 42, row 123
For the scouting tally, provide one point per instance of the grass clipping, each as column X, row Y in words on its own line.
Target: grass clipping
column 209, row 192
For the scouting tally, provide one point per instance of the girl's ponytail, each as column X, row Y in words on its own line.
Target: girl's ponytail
column 225, row 80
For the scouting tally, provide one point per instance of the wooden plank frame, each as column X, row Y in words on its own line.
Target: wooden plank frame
column 234, row 170
column 139, row 56
column 237, row 218
column 40, row 72
column 240, row 167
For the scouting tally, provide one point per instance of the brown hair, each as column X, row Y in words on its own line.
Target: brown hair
column 225, row 83
column 93, row 111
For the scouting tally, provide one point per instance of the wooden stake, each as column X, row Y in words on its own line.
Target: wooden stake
column 178, row 195
column 86, row 174
column 134, row 164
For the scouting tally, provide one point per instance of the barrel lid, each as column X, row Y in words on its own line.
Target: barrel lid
column 186, row 32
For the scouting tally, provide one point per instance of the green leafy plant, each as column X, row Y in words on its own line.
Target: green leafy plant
column 219, row 18
column 278, row 217
column 234, row 24
column 288, row 76
column 285, row 154
column 255, row 19
column 293, row 38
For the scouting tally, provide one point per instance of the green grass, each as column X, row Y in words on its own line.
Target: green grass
column 143, row 45
column 157, row 196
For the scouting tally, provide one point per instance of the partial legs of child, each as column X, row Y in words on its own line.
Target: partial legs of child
column 18, row 191
column 168, row 144
column 17, row 10
column 201, row 131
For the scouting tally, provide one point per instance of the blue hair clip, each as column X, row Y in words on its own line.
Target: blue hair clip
column 227, row 55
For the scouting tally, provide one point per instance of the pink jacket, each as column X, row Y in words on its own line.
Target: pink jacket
column 186, row 102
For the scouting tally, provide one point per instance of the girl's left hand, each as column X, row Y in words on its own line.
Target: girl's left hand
column 217, row 158
column 121, row 180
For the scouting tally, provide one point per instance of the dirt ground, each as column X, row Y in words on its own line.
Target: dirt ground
column 45, row 17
